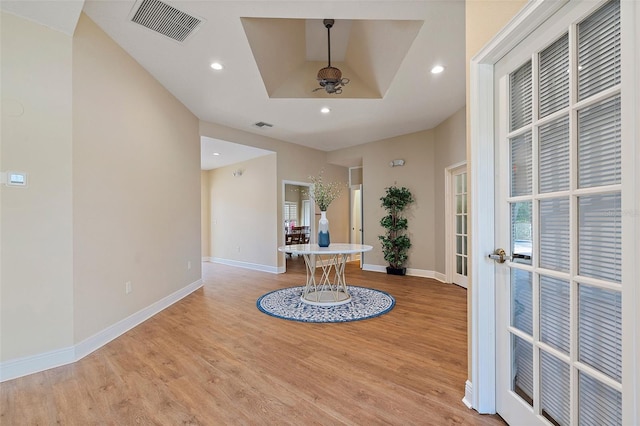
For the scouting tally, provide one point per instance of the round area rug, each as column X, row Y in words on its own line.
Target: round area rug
column 365, row 303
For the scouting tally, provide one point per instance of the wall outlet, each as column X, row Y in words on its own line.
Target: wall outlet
column 127, row 287
column 188, row 264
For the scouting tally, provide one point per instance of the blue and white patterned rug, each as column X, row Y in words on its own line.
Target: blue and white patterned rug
column 365, row 303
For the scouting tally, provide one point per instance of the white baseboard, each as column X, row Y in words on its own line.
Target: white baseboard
column 468, row 394
column 19, row 367
column 15, row 368
column 100, row 339
column 373, row 268
column 440, row 277
column 410, row 271
column 207, row 259
column 421, row 273
column 247, row 265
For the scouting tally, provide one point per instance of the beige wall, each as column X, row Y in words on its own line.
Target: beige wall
column 244, row 212
column 417, row 149
column 450, row 148
column 69, row 243
column 113, row 188
column 136, row 180
column 294, row 163
column 295, row 194
column 427, row 154
column 205, row 214
column 483, row 20
column 36, row 293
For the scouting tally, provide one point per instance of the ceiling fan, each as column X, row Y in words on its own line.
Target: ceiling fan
column 330, row 78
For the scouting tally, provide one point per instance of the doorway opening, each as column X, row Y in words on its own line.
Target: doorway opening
column 297, row 225
column 356, row 233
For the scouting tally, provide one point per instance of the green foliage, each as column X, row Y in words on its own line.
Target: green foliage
column 396, row 199
column 323, row 193
column 395, row 244
column 394, row 223
column 395, row 250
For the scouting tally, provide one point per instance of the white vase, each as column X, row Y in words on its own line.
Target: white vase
column 323, row 230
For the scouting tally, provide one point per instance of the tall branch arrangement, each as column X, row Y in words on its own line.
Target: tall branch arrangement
column 323, row 193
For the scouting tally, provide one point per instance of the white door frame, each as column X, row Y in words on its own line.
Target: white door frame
column 480, row 392
column 449, row 227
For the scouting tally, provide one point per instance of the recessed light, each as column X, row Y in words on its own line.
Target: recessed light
column 217, row 66
column 325, row 110
column 216, row 153
column 437, row 69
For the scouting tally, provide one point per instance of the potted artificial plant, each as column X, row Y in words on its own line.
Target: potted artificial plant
column 395, row 243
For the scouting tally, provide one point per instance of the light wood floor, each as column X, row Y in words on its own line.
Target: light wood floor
column 215, row 359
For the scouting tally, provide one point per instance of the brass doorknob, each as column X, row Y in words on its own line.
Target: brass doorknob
column 499, row 255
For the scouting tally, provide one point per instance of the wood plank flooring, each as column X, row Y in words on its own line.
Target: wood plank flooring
column 214, row 359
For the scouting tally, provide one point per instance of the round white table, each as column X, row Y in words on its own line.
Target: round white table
column 330, row 289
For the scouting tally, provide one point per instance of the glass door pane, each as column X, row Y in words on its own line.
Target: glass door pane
column 460, row 194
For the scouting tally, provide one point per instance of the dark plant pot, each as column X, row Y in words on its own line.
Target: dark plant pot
column 396, row 271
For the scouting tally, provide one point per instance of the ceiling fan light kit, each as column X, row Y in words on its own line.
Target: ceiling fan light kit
column 330, row 78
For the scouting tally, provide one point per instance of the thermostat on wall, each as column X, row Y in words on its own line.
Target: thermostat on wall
column 15, row 179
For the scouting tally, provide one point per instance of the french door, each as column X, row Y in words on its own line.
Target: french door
column 558, row 219
column 457, row 216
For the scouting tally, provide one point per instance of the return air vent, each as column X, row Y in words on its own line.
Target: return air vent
column 263, row 124
column 165, row 19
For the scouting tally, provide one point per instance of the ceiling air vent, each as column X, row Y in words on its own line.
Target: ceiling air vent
column 165, row 19
column 263, row 124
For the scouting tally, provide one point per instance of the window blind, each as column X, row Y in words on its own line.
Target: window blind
column 521, row 165
column 599, row 221
column 290, row 211
column 554, row 234
column 598, row 403
column 600, row 330
column 522, row 319
column 554, row 78
column 600, row 237
column 554, row 313
column 555, row 331
column 554, row 156
column 522, row 372
column 520, row 97
column 599, row 148
column 599, row 50
column 554, row 389
column 521, row 301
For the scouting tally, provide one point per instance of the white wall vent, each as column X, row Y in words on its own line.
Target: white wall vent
column 165, row 19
